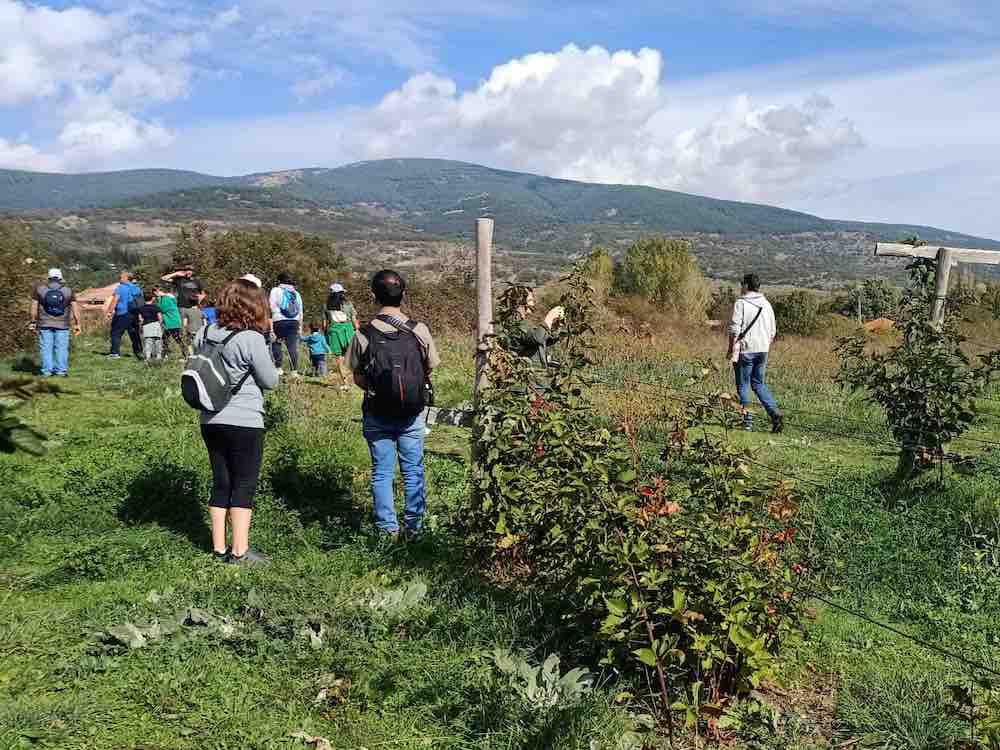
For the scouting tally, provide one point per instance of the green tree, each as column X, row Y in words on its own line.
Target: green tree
column 312, row 261
column 797, row 313
column 926, row 384
column 665, row 273
column 599, row 270
column 879, row 299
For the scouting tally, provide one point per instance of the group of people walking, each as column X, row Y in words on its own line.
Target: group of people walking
column 238, row 347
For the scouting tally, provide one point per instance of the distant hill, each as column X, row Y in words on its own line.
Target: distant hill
column 396, row 210
column 442, row 196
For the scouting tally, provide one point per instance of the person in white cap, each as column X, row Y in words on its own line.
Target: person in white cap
column 54, row 311
column 341, row 325
column 255, row 280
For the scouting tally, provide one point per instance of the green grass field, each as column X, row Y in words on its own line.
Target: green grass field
column 109, row 529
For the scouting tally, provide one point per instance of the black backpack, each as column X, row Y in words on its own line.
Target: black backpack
column 395, row 368
column 54, row 302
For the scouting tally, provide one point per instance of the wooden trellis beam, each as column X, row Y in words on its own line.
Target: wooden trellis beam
column 946, row 257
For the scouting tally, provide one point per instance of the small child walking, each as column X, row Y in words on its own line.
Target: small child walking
column 151, row 320
column 318, row 349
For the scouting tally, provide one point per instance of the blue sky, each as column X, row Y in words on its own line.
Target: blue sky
column 847, row 108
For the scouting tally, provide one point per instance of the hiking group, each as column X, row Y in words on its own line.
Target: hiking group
column 237, row 349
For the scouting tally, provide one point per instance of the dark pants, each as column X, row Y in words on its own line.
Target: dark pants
column 119, row 325
column 319, row 364
column 235, row 454
column 287, row 331
column 175, row 335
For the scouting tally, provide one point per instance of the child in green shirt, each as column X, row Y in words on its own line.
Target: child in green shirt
column 173, row 328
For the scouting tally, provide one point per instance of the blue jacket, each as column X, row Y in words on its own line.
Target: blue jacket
column 317, row 343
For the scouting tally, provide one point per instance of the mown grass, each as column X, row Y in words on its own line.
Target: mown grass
column 110, row 527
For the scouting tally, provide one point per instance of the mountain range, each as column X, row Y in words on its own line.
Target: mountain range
column 541, row 220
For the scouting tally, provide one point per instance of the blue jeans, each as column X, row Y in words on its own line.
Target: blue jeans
column 53, row 346
column 751, row 370
column 386, row 438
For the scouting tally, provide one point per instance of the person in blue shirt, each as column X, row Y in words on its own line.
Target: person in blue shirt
column 318, row 349
column 208, row 312
column 121, row 310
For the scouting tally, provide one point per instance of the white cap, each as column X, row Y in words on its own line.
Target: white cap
column 55, row 273
column 336, row 288
column 252, row 279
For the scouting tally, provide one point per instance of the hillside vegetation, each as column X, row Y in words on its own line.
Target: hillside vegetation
column 541, row 221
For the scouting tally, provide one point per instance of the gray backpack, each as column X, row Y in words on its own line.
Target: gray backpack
column 205, row 382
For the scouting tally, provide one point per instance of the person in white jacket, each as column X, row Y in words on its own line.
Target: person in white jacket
column 286, row 320
column 751, row 331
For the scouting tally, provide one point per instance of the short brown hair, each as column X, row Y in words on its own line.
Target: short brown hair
column 241, row 306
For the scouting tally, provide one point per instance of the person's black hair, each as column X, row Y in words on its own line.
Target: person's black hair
column 335, row 300
column 388, row 288
column 752, row 282
column 314, row 326
column 285, row 278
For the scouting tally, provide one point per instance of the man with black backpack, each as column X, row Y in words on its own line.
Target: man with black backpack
column 751, row 331
column 392, row 358
column 53, row 311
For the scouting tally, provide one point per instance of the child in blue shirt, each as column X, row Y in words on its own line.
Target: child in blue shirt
column 318, row 349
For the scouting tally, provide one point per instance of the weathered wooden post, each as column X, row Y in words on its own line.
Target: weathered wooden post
column 944, row 263
column 484, row 295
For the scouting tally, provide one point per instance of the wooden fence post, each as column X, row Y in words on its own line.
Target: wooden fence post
column 484, row 294
column 944, row 264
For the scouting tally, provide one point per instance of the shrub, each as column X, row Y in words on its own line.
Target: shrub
column 720, row 307
column 926, row 384
column 699, row 586
column 879, row 299
column 541, row 461
column 666, row 273
column 989, row 300
column 685, row 578
column 797, row 313
column 22, row 265
column 445, row 304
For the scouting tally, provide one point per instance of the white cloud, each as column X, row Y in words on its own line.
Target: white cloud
column 96, row 74
column 319, row 84
column 96, row 139
column 755, row 151
column 25, row 156
column 226, row 18
column 596, row 115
